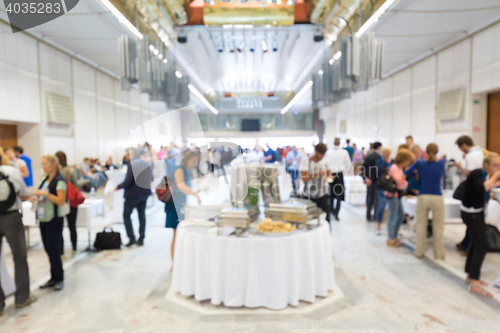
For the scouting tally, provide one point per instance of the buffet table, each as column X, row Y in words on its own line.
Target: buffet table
column 451, row 208
column 355, row 190
column 89, row 209
column 256, row 271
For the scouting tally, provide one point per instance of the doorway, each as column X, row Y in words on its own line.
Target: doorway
column 8, row 136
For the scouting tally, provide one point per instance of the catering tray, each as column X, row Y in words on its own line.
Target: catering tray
column 294, row 217
column 275, row 234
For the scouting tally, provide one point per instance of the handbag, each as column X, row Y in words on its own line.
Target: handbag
column 386, row 183
column 108, row 240
column 163, row 190
column 459, row 193
column 492, row 238
column 75, row 197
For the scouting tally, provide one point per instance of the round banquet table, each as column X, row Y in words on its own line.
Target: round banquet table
column 258, row 271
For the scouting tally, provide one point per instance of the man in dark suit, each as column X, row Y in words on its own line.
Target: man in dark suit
column 137, row 186
column 370, row 175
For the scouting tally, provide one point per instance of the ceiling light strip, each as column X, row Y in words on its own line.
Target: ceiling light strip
column 122, row 19
column 374, row 18
column 202, row 98
column 297, row 97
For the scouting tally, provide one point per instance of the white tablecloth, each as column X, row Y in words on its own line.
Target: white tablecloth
column 259, row 271
column 29, row 216
column 451, row 207
column 89, row 209
column 8, row 285
column 115, row 177
column 355, row 190
column 493, row 213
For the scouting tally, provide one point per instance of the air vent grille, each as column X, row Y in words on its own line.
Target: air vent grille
column 60, row 109
column 451, row 104
column 343, row 126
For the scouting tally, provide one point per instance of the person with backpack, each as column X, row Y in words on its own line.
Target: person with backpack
column 12, row 191
column 181, row 188
column 51, row 198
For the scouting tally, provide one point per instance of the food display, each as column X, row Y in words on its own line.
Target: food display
column 239, row 217
column 267, row 226
column 294, row 210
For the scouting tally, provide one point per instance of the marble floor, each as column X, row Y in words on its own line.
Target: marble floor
column 380, row 288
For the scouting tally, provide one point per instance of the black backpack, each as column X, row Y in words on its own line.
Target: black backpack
column 8, row 195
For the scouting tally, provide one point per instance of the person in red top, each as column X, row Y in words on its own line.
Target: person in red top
column 403, row 160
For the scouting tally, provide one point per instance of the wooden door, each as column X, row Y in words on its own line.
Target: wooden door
column 493, row 125
column 8, row 136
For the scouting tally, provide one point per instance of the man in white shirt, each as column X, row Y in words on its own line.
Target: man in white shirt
column 474, row 155
column 340, row 164
column 474, row 158
column 314, row 172
column 11, row 227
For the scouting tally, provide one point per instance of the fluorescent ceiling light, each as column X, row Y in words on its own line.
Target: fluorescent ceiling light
column 202, row 98
column 160, row 56
column 320, row 72
column 156, row 52
column 297, row 97
column 122, row 19
column 331, row 61
column 337, row 55
column 165, row 61
column 151, row 48
column 374, row 18
column 178, row 74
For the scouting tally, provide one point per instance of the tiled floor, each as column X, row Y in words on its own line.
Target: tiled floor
column 125, row 291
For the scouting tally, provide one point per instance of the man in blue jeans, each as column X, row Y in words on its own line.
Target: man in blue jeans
column 137, row 186
column 382, row 164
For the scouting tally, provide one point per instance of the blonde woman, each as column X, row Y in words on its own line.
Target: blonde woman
column 403, row 160
column 5, row 159
column 430, row 198
column 478, row 184
column 51, row 196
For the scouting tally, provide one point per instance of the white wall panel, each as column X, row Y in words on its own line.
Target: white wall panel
column 384, row 114
column 401, row 113
column 19, row 93
column 486, row 60
column 85, row 104
column 423, row 127
column 454, row 72
column 105, row 116
column 122, row 121
column 371, row 115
